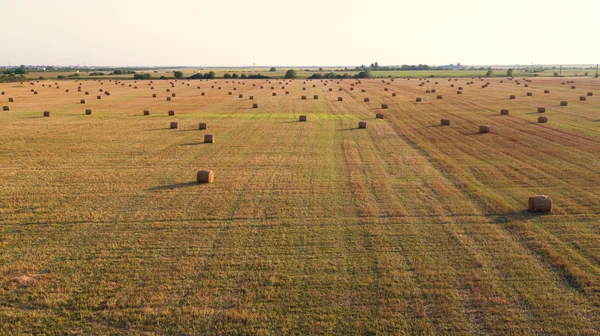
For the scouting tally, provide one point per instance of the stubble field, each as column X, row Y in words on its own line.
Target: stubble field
column 316, row 227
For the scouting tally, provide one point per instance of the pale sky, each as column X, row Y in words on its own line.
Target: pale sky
column 310, row 32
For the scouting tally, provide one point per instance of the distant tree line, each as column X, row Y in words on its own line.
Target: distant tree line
column 12, row 78
column 16, row 71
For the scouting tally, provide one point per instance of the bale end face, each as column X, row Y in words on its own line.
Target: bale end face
column 362, row 124
column 582, row 98
column 540, row 203
column 542, row 119
column 205, row 176
column 302, row 118
column 504, row 112
column 445, row 122
column 209, row 138
column 418, row 100
column 484, row 129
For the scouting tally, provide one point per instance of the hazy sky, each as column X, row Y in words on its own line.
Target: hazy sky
column 310, row 32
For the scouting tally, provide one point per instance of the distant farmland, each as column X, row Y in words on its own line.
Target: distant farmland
column 316, row 227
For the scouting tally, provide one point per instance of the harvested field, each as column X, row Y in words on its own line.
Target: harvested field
column 405, row 227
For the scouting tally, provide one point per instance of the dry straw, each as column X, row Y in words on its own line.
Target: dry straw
column 205, row 176
column 540, row 203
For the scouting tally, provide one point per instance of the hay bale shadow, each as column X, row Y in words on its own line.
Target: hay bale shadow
column 523, row 215
column 172, row 186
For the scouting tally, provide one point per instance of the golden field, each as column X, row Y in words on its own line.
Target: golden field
column 317, row 227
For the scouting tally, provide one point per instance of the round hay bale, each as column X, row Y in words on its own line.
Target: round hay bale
column 82, row 101
column 35, row 92
column 540, row 203
column 330, row 89
column 541, row 109
column 385, row 89
column 513, row 97
column 432, row 90
column 504, row 112
column 173, row 95
column 362, row 124
column 287, row 92
column 203, row 94
column 367, row 100
column 154, row 95
column 427, row 91
column 451, row 85
column 98, row 97
column 484, row 129
column 168, row 90
column 302, row 118
column 303, row 89
column 205, row 176
column 445, row 122
column 11, row 100
column 546, row 91
column 251, row 97
column 379, row 116
column 168, row 98
column 418, row 99
column 5, row 108
column 87, row 93
column 526, row 85
column 240, row 96
column 573, row 87
column 384, row 106
column 146, row 112
column 303, row 97
column 174, row 125
column 88, row 112
column 209, row 138
column 229, row 93
column 439, row 97
column 393, row 94
column 340, row 99
column 563, row 103
column 458, row 92
column 100, row 90
column 460, row 88
column 529, row 94
column 107, row 93
column 171, row 112
column 340, row 89
column 315, row 97
column 589, row 94
column 274, row 94
column 3, row 93
column 47, row 114
column 254, row 105
column 67, row 90
column 202, row 126
column 583, row 98
column 542, row 119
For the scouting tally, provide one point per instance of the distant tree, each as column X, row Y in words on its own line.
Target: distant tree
column 21, row 70
column 273, row 69
column 196, row 76
column 556, row 74
column 291, row 74
column 321, row 69
column 235, row 76
column 227, row 75
column 142, row 76
column 509, row 72
column 118, row 72
column 489, row 73
column 585, row 74
column 376, row 65
column 364, row 74
column 178, row 74
column 60, row 77
column 244, row 76
column 209, row 75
